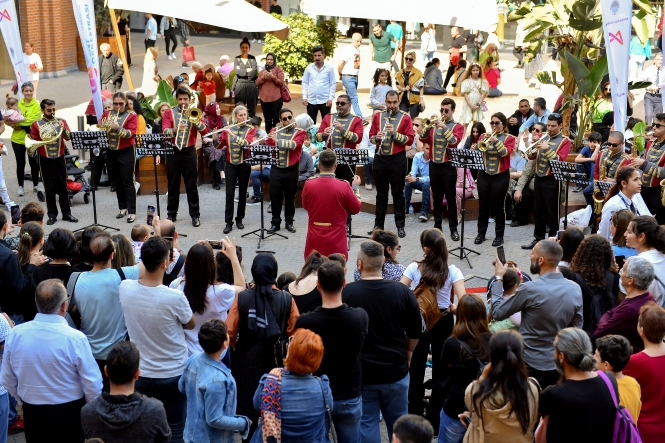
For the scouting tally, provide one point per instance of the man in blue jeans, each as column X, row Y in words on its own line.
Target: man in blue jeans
column 418, row 178
column 343, row 331
column 395, row 324
column 348, row 69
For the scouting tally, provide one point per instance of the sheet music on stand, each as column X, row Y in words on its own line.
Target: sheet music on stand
column 261, row 155
column 153, row 144
column 89, row 140
column 351, row 157
column 568, row 172
column 604, row 186
column 467, row 158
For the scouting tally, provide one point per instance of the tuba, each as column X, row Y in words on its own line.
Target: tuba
column 48, row 132
column 485, row 143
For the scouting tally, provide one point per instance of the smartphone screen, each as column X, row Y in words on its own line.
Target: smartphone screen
column 16, row 214
column 620, row 259
column 501, row 253
column 559, row 234
column 151, row 213
column 216, row 244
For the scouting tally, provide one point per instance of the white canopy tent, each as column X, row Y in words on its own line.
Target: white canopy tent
column 473, row 14
column 238, row 15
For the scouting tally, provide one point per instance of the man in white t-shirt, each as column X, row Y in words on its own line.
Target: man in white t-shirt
column 33, row 64
column 156, row 317
column 348, row 69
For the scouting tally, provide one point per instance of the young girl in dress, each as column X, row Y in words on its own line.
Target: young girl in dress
column 474, row 89
column 382, row 84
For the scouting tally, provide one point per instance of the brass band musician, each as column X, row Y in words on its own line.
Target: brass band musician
column 52, row 164
column 612, row 159
column 653, row 167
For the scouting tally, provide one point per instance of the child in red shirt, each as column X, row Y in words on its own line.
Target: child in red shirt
column 209, row 87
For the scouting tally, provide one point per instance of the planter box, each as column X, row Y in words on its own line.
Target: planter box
column 80, row 57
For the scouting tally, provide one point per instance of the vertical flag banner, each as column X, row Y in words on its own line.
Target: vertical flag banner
column 12, row 37
column 84, row 13
column 617, row 16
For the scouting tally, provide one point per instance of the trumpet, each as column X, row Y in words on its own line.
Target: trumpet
column 485, row 143
column 428, row 123
column 48, row 132
column 283, row 128
column 531, row 150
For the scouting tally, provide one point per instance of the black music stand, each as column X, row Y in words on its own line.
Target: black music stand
column 154, row 144
column 261, row 155
column 92, row 140
column 467, row 159
column 604, row 186
column 350, row 157
column 567, row 173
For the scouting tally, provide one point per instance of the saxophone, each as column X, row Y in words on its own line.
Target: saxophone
column 598, row 197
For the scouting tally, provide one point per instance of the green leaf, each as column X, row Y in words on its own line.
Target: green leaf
column 638, row 85
column 639, row 137
column 598, row 71
column 164, row 92
column 585, row 25
column 577, row 68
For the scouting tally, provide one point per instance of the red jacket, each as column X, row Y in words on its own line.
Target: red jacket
column 328, row 201
column 458, row 133
column 66, row 135
column 226, row 138
column 352, row 136
column 169, row 128
column 290, row 146
column 614, row 169
column 403, row 133
column 130, row 124
column 502, row 153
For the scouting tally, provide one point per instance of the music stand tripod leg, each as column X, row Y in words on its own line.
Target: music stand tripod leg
column 94, row 217
column 156, row 191
column 463, row 252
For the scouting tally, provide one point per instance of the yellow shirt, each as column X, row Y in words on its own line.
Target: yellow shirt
column 141, row 126
column 630, row 395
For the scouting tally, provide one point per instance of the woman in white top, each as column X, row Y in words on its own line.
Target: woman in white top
column 33, row 65
column 207, row 297
column 428, row 43
column 432, row 270
column 624, row 194
column 648, row 238
column 150, row 74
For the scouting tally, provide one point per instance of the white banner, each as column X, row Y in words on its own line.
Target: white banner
column 12, row 38
column 84, row 13
column 617, row 16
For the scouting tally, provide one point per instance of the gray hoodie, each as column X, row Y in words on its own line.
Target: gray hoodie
column 125, row 418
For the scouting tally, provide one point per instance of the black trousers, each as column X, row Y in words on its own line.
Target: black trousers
column 271, row 113
column 651, row 196
column 54, row 176
column 247, row 93
column 283, row 185
column 449, row 75
column 233, row 172
column 313, row 110
column 20, row 152
column 524, row 207
column 60, row 422
column 97, row 164
column 127, row 51
column 170, row 35
column 443, row 181
column 492, row 191
column 435, row 338
column 389, row 173
column 183, row 164
column 412, row 110
column 174, row 401
column 545, row 206
column 149, row 44
column 120, row 165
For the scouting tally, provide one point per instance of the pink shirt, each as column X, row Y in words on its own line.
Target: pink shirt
column 493, row 76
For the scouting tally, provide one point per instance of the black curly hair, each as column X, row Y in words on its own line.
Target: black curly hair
column 593, row 259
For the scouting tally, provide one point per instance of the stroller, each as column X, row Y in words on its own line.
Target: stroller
column 78, row 182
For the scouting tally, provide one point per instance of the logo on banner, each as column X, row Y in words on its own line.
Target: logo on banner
column 614, row 7
column 5, row 14
column 616, row 37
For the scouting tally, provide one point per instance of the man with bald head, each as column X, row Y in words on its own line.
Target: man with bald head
column 348, row 69
column 166, row 229
column 96, row 295
column 548, row 304
column 110, row 69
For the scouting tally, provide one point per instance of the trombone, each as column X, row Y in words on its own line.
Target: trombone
column 531, row 150
column 193, row 115
column 483, row 145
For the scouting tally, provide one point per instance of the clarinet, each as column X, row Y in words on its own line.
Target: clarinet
column 380, row 142
column 333, row 118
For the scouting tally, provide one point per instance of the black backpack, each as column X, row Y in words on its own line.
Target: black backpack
column 168, row 278
column 597, row 302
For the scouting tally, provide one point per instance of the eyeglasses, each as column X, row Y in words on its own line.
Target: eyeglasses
column 495, row 123
column 287, row 118
column 614, row 145
column 658, row 125
column 408, row 59
column 118, row 103
column 341, row 103
column 445, row 111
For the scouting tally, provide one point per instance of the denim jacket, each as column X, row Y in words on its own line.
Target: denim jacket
column 303, row 409
column 211, row 401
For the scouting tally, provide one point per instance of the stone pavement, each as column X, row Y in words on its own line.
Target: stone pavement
column 71, row 94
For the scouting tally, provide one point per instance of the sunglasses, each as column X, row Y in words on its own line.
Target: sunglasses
column 495, row 123
column 408, row 59
column 416, row 126
column 537, row 131
column 614, row 145
column 286, row 119
column 658, row 125
column 118, row 103
column 445, row 111
column 341, row 103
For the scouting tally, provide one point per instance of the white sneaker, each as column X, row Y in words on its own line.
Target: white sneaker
column 260, row 41
column 368, row 186
column 39, row 187
column 491, row 220
column 253, row 40
column 20, row 191
column 417, row 191
column 173, row 54
column 169, row 57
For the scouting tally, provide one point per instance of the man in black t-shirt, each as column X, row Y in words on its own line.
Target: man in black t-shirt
column 456, row 53
column 395, row 324
column 275, row 8
column 343, row 331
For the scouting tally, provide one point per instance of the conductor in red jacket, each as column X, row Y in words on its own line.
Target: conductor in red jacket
column 328, row 202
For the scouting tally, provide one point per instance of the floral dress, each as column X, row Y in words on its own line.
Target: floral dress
column 475, row 89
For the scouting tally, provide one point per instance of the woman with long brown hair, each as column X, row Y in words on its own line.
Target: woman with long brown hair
column 410, row 84
column 31, row 241
column 462, row 356
column 493, row 182
column 445, row 280
column 304, row 289
column 620, row 221
column 624, row 194
column 648, row 238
